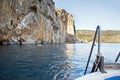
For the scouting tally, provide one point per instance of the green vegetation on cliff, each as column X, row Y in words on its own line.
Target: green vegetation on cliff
column 109, row 36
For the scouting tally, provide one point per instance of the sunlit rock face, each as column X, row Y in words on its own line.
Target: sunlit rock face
column 34, row 22
column 68, row 24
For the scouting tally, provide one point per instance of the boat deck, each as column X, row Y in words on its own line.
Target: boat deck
column 115, row 66
column 112, row 69
column 99, row 75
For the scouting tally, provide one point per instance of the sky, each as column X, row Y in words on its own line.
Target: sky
column 90, row 13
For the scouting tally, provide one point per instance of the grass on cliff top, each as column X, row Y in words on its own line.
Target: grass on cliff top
column 109, row 36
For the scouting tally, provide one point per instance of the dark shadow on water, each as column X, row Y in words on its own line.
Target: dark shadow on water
column 31, row 62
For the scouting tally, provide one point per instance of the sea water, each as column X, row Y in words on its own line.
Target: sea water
column 51, row 61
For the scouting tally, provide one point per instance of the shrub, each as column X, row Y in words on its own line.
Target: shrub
column 50, row 17
column 33, row 8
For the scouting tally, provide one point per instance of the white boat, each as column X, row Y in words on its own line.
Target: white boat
column 107, row 71
column 112, row 73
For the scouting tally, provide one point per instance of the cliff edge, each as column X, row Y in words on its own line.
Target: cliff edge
column 34, row 22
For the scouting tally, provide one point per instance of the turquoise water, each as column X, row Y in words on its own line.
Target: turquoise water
column 50, row 62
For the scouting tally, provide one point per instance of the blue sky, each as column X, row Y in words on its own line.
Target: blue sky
column 90, row 13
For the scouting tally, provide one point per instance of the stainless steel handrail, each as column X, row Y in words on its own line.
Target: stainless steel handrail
column 98, row 31
column 117, row 57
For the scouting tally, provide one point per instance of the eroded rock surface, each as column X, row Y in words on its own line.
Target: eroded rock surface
column 34, row 22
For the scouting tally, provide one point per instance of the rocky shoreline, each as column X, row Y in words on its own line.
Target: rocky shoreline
column 34, row 22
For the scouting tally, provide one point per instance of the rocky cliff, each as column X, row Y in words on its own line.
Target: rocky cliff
column 34, row 22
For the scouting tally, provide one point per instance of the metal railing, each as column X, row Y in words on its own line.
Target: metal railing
column 117, row 57
column 99, row 62
column 98, row 31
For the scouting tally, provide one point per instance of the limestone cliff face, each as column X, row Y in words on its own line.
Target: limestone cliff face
column 68, row 22
column 34, row 22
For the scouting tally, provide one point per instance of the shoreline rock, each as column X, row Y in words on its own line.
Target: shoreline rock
column 27, row 21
